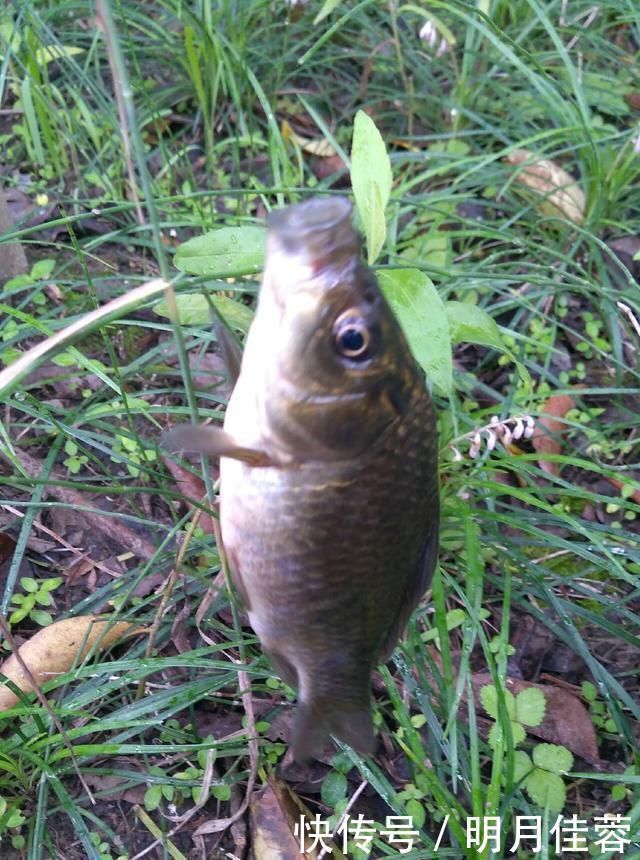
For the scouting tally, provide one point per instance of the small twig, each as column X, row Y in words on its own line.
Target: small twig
column 345, row 815
column 557, row 554
column 563, row 13
column 592, row 14
column 630, row 316
column 8, row 635
column 58, row 539
column 107, row 525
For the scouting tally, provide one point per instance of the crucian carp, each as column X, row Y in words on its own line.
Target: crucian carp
column 328, row 475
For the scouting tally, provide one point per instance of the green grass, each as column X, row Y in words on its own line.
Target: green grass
column 211, row 86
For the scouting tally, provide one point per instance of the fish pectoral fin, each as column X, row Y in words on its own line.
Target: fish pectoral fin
column 213, row 441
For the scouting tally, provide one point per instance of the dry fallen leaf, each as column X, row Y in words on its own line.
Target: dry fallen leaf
column 549, row 426
column 319, row 147
column 55, row 649
column 561, row 194
column 275, row 813
column 566, row 720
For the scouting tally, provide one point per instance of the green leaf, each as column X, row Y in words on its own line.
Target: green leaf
column 194, row 310
column 522, row 765
column 334, row 788
column 211, row 753
column 553, row 757
column 530, row 706
column 152, row 797
column 619, row 792
column 421, row 313
column 546, row 790
column 416, row 812
column 489, row 699
column 227, row 252
column 454, row 618
column 42, row 269
column 327, row 8
column 51, row 584
column 342, row 762
column 518, row 734
column 470, row 324
column 29, row 584
column 16, row 819
column 371, row 181
column 41, row 617
column 221, row 792
column 589, row 691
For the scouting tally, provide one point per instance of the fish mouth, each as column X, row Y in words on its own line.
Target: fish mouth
column 319, row 228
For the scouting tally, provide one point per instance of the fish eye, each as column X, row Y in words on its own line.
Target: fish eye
column 352, row 337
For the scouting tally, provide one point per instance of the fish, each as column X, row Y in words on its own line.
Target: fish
column 329, row 495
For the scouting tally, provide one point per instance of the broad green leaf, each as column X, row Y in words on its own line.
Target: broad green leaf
column 489, row 699
column 152, row 797
column 553, row 757
column 421, row 313
column 44, row 619
column 530, row 706
column 224, row 253
column 522, row 765
column 42, row 269
column 416, row 812
column 51, row 584
column 470, row 324
column 589, row 691
column 546, row 790
column 371, row 181
column 327, row 8
column 221, row 792
column 334, row 788
column 193, row 309
column 518, row 734
column 29, row 584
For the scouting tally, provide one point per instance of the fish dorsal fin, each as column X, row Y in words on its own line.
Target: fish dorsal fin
column 228, row 343
column 213, row 441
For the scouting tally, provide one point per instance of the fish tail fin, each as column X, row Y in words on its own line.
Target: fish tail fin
column 314, row 724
